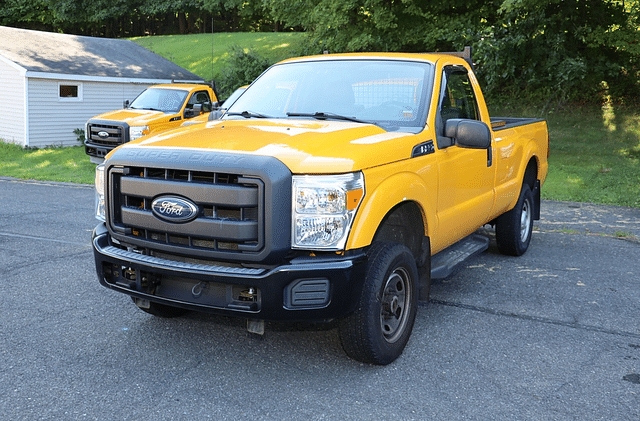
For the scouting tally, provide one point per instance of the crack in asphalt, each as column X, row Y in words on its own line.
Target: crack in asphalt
column 537, row 319
column 33, row 237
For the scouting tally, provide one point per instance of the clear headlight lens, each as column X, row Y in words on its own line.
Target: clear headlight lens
column 323, row 210
column 138, row 131
column 100, row 205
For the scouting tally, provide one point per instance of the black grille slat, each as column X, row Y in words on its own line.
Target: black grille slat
column 205, row 228
column 219, row 195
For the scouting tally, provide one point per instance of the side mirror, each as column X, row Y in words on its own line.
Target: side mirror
column 215, row 115
column 192, row 112
column 125, row 104
column 472, row 134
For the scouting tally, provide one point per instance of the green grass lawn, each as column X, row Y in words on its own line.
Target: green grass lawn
column 69, row 164
column 595, row 156
column 595, row 153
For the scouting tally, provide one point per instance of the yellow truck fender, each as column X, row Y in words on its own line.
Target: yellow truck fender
column 380, row 199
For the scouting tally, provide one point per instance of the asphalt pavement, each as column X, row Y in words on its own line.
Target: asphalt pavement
column 551, row 335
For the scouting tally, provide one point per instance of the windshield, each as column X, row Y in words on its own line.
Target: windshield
column 159, row 99
column 392, row 94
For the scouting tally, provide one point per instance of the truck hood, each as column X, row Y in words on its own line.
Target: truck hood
column 309, row 147
column 135, row 117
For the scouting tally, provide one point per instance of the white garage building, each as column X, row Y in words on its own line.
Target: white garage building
column 51, row 84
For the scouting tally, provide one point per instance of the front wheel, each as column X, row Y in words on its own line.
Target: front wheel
column 379, row 329
column 514, row 228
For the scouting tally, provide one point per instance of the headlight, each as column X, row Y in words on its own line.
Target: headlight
column 138, row 131
column 323, row 210
column 100, row 205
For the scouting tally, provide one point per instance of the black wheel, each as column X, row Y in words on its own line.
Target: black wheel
column 378, row 331
column 159, row 310
column 514, row 228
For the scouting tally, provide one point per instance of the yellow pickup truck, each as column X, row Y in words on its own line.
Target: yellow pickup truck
column 157, row 108
column 335, row 188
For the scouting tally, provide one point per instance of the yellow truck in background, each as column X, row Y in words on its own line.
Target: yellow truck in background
column 335, row 188
column 157, row 108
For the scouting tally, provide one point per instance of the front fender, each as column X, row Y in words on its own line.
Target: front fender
column 383, row 196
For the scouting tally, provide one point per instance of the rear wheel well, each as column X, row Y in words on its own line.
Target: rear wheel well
column 531, row 173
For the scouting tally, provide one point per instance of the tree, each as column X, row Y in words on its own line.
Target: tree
column 553, row 47
column 385, row 25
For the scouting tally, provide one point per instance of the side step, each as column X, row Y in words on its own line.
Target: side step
column 443, row 263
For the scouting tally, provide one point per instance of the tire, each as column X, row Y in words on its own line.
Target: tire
column 514, row 228
column 161, row 310
column 379, row 329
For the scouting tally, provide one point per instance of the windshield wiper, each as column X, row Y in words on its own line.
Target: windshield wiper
column 323, row 116
column 249, row 114
column 146, row 108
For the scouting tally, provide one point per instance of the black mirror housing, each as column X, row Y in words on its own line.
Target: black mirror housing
column 472, row 134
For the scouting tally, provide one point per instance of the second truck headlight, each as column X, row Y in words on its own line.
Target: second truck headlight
column 136, row 132
column 323, row 210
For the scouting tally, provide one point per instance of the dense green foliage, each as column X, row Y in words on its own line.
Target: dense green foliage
column 243, row 67
column 553, row 50
column 127, row 18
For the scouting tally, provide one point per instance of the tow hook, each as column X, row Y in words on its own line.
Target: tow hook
column 198, row 289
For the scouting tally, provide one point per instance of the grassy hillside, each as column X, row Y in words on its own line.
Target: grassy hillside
column 205, row 54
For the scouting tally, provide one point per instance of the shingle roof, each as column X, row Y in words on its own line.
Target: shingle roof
column 50, row 52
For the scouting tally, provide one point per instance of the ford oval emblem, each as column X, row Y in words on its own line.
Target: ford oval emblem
column 174, row 209
column 102, row 134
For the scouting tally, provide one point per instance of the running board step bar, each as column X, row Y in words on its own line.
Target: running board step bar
column 443, row 263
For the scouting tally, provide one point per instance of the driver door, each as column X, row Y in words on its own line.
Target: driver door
column 466, row 176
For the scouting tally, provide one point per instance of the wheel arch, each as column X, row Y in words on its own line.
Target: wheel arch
column 531, row 172
column 392, row 214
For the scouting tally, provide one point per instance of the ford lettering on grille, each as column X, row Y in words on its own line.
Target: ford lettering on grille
column 103, row 134
column 174, row 209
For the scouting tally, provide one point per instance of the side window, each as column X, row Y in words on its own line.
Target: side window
column 457, row 99
column 202, row 98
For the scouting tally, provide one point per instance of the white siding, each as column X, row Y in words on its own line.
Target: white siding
column 52, row 121
column 12, row 115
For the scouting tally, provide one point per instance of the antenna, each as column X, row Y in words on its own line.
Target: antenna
column 213, row 82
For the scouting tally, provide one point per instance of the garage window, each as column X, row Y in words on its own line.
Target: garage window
column 70, row 91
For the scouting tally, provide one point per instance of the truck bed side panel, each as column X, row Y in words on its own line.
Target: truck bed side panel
column 515, row 144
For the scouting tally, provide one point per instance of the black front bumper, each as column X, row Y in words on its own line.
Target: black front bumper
column 303, row 289
column 96, row 150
